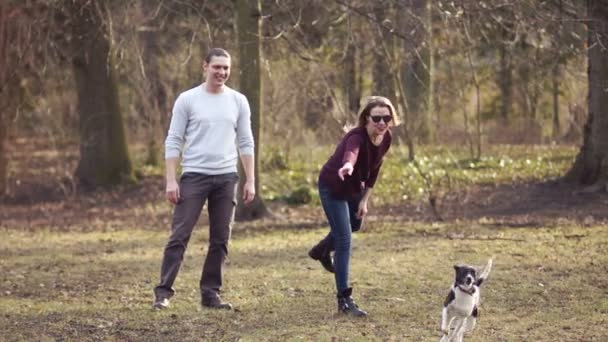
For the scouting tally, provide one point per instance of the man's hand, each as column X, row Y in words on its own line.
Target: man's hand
column 172, row 192
column 347, row 169
column 248, row 191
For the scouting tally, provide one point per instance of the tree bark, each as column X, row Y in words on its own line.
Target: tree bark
column 416, row 72
column 104, row 157
column 4, row 65
column 3, row 157
column 12, row 52
column 351, row 78
column 154, row 101
column 505, row 81
column 555, row 76
column 591, row 164
column 248, row 18
column 383, row 83
column 556, row 73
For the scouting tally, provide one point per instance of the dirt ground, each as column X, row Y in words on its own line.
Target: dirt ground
column 522, row 204
column 41, row 195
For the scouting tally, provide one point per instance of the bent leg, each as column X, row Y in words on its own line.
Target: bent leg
column 337, row 213
column 353, row 208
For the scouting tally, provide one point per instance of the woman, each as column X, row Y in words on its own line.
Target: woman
column 345, row 186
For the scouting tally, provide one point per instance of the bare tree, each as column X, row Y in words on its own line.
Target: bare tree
column 382, row 68
column 249, row 13
column 351, row 72
column 104, row 156
column 591, row 164
column 4, row 71
column 505, row 73
column 416, row 69
column 151, row 95
column 20, row 35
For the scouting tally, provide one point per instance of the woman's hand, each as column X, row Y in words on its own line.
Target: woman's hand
column 362, row 211
column 347, row 169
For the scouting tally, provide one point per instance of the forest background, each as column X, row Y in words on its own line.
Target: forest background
column 503, row 145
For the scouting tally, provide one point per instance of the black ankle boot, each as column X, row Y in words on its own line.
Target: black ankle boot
column 322, row 253
column 347, row 305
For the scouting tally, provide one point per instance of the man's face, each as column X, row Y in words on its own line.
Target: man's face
column 217, row 71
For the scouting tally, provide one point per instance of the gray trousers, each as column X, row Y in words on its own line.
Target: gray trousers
column 195, row 189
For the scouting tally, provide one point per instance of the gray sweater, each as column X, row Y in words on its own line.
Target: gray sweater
column 206, row 129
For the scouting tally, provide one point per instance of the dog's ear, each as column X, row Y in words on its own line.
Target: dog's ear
column 456, row 268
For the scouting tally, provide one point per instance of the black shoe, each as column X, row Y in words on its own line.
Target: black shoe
column 347, row 305
column 160, row 303
column 214, row 301
column 322, row 252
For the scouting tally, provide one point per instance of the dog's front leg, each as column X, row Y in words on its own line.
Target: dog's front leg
column 445, row 324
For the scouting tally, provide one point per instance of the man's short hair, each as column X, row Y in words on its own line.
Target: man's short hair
column 216, row 52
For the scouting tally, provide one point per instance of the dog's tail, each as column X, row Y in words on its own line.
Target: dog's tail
column 485, row 273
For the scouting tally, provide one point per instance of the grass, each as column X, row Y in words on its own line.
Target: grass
column 546, row 285
column 89, row 274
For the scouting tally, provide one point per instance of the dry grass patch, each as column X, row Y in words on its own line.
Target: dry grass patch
column 547, row 284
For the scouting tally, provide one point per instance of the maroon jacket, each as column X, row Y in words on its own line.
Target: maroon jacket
column 356, row 148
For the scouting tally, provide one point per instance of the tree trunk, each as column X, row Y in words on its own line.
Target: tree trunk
column 248, row 18
column 3, row 158
column 535, row 86
column 104, row 157
column 417, row 71
column 383, row 84
column 4, row 65
column 476, row 83
column 429, row 54
column 505, row 80
column 351, row 77
column 154, row 101
column 525, row 78
column 591, row 164
column 555, row 75
column 13, row 29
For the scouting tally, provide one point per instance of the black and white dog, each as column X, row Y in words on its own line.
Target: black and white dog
column 460, row 309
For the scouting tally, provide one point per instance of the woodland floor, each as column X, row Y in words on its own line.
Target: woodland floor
column 61, row 250
column 42, row 195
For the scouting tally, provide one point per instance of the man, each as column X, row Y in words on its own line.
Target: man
column 211, row 122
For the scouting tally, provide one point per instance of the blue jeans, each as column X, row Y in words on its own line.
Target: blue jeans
column 342, row 217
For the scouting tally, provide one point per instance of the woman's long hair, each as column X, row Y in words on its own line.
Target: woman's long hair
column 377, row 101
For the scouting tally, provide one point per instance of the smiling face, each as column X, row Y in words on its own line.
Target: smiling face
column 378, row 120
column 217, row 71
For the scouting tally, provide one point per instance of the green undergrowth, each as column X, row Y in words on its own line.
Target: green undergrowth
column 435, row 169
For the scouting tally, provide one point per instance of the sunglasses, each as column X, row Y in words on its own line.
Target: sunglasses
column 377, row 118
